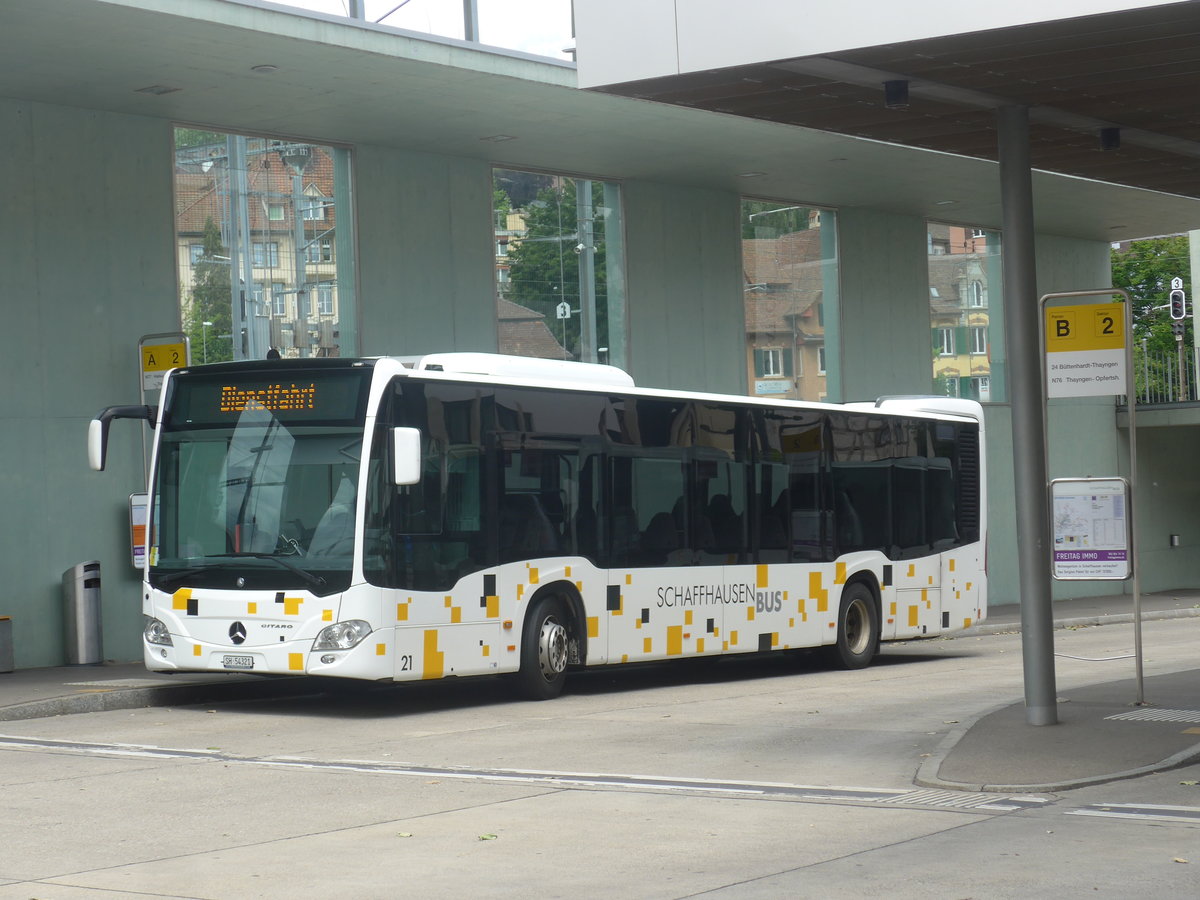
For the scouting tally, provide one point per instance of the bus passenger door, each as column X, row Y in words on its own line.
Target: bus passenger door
column 962, row 588
column 661, row 602
column 547, row 531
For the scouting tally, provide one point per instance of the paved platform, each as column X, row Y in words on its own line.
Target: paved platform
column 996, row 752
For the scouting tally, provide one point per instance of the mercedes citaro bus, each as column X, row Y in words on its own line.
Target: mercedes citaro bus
column 467, row 514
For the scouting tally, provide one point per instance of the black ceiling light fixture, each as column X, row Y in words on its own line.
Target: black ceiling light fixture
column 895, row 94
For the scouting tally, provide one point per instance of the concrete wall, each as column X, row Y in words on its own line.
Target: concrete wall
column 684, row 273
column 884, row 322
column 426, row 263
column 88, row 268
column 1167, row 501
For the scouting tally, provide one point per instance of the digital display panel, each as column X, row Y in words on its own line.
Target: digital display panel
column 318, row 397
column 279, row 397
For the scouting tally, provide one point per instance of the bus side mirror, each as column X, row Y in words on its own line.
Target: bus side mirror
column 406, row 455
column 96, row 444
column 98, row 430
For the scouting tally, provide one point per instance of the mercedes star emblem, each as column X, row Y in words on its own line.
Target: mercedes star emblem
column 237, row 632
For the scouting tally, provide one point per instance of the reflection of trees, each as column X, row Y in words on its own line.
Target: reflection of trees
column 210, row 301
column 544, row 263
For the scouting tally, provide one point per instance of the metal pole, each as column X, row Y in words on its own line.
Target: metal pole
column 587, row 272
column 303, row 306
column 1145, row 392
column 1134, row 560
column 1023, row 326
column 237, row 242
column 250, row 304
column 1192, row 282
column 1183, row 385
column 471, row 20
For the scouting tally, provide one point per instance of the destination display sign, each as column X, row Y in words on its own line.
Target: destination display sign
column 202, row 398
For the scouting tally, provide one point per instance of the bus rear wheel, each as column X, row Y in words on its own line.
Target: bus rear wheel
column 544, row 651
column 857, row 628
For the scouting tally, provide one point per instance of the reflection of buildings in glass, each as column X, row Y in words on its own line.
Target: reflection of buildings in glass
column 524, row 332
column 785, row 328
column 958, row 311
column 294, row 289
column 510, row 228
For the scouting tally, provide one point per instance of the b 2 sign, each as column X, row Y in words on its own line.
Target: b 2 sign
column 1085, row 350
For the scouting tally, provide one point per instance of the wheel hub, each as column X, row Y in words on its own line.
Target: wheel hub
column 552, row 648
column 858, row 630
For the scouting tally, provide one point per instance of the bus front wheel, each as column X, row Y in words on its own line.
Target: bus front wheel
column 857, row 628
column 544, row 651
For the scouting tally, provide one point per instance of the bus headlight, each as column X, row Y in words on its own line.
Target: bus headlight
column 156, row 632
column 342, row 636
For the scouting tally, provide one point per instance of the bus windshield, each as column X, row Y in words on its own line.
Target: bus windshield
column 256, row 481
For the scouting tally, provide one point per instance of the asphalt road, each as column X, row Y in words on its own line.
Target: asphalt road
column 737, row 778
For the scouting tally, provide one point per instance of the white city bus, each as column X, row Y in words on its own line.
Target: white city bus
column 471, row 514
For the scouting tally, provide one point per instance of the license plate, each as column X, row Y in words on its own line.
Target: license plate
column 237, row 662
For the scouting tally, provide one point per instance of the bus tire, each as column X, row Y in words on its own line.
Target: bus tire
column 544, row 651
column 857, row 628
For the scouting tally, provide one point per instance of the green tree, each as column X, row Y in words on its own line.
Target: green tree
column 210, row 301
column 1145, row 269
column 544, row 264
column 195, row 137
column 772, row 218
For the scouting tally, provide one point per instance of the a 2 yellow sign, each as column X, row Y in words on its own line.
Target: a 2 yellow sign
column 159, row 354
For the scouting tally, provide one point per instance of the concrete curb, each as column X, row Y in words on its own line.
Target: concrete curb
column 1081, row 621
column 106, row 699
column 927, row 774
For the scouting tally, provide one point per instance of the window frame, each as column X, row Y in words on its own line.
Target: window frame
column 977, row 336
column 946, row 342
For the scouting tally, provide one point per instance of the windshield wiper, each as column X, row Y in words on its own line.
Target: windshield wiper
column 310, row 579
column 172, row 577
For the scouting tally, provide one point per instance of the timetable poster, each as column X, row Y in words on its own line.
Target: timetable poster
column 1091, row 529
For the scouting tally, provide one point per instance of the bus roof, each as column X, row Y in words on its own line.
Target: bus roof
column 523, row 367
column 498, row 368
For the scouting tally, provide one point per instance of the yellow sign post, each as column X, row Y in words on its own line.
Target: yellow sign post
column 168, row 351
column 1089, row 353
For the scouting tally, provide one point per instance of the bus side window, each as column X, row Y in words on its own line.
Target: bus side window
column 862, row 464
column 772, row 503
column 909, row 490
column 944, row 486
column 588, row 526
column 646, row 491
column 805, row 452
